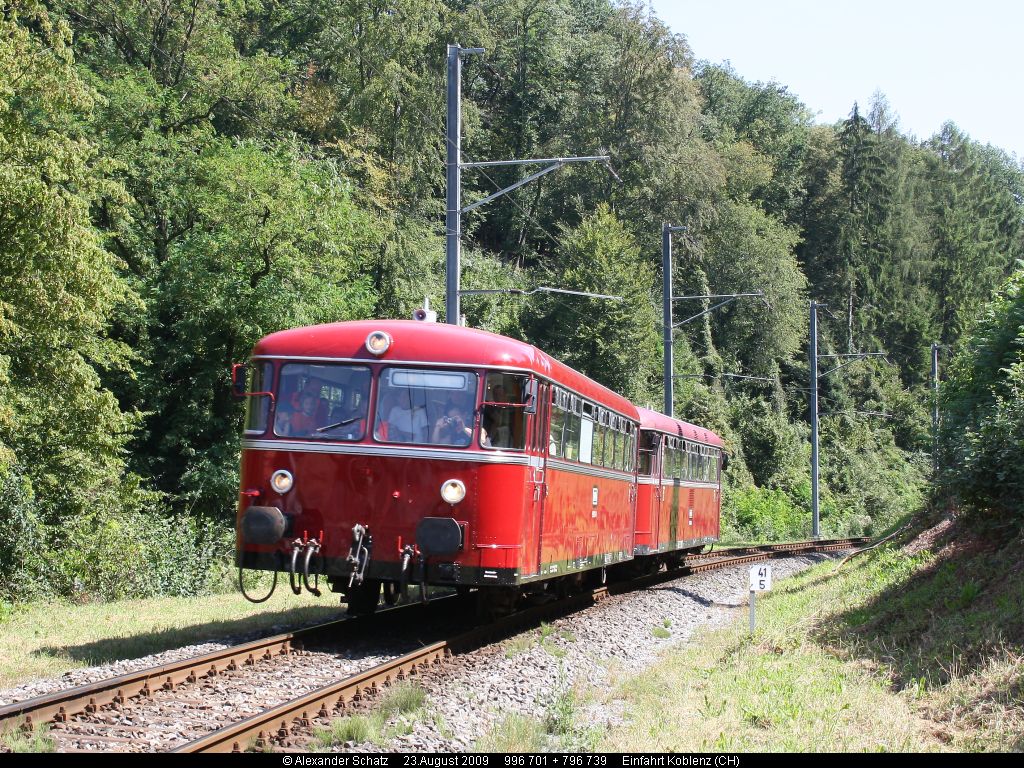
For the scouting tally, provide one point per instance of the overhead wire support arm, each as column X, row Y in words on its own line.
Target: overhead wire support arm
column 556, row 163
column 539, row 160
column 731, row 298
column 718, row 296
column 721, row 376
column 540, row 289
column 454, row 166
column 856, row 357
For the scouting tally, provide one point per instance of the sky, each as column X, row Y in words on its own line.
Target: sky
column 934, row 61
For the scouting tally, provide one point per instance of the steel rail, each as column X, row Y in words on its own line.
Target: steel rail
column 281, row 724
column 61, row 705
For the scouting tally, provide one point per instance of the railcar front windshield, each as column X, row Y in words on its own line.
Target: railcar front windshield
column 322, row 401
column 426, row 407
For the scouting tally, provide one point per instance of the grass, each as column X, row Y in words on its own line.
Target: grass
column 893, row 652
column 560, row 727
column 546, row 636
column 395, row 714
column 38, row 740
column 515, row 733
column 39, row 640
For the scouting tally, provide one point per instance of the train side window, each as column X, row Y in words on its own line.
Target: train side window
column 503, row 411
column 257, row 408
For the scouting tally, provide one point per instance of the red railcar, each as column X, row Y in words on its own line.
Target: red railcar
column 679, row 494
column 396, row 452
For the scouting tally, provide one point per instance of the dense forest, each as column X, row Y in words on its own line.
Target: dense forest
column 180, row 177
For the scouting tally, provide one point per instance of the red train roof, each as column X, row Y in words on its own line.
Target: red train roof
column 422, row 342
column 653, row 420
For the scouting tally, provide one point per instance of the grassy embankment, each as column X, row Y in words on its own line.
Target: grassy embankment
column 39, row 640
column 914, row 646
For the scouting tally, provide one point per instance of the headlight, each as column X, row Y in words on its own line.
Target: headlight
column 377, row 343
column 282, row 481
column 453, row 491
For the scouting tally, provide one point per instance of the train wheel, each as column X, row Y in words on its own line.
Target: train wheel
column 391, row 593
column 494, row 602
column 364, row 598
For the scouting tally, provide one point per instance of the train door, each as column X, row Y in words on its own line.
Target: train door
column 537, row 446
column 658, row 490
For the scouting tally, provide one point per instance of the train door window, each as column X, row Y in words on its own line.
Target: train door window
column 597, row 457
column 557, row 424
column 587, row 438
column 425, row 406
column 571, row 436
column 630, row 448
column 648, row 455
column 620, row 453
column 322, row 401
column 503, row 411
column 257, row 408
column 616, row 437
column 538, row 426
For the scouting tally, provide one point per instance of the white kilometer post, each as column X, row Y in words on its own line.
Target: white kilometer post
column 760, row 581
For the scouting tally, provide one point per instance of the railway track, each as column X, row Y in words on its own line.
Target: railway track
column 116, row 714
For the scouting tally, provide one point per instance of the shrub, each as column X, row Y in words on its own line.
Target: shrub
column 982, row 435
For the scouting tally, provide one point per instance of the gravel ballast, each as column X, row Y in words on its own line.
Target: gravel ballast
column 480, row 689
column 474, row 693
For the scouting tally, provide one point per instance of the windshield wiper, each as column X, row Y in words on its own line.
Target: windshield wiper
column 339, row 424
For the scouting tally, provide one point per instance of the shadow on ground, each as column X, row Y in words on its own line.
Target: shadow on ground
column 228, row 632
column 946, row 619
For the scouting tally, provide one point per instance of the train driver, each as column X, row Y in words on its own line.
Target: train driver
column 304, row 421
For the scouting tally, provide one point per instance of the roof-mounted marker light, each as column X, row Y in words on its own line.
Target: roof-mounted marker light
column 378, row 342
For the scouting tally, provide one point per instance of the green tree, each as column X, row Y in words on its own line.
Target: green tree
column 58, row 284
column 614, row 342
column 982, row 436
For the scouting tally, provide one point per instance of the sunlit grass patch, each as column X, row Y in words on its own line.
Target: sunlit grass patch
column 514, row 733
column 394, row 715
column 36, row 740
column 47, row 639
column 778, row 690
